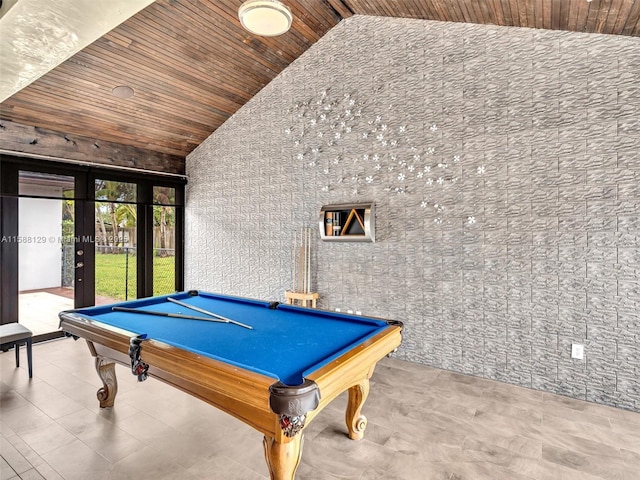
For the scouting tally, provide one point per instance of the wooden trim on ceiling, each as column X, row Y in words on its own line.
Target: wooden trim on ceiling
column 25, row 140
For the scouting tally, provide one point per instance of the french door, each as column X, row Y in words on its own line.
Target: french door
column 73, row 236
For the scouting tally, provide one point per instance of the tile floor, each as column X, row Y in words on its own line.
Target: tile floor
column 39, row 310
column 423, row 424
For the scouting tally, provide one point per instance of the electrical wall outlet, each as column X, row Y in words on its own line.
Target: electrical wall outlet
column 577, row 351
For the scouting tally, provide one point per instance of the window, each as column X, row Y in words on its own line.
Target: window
column 164, row 240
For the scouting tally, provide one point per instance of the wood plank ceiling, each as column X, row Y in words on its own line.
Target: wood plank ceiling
column 192, row 66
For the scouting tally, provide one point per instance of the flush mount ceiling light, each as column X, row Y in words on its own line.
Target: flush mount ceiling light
column 122, row 91
column 265, row 17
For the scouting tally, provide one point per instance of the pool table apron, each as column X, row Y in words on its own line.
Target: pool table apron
column 237, row 391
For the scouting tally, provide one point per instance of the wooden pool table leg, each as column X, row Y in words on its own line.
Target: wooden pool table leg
column 356, row 422
column 283, row 458
column 107, row 373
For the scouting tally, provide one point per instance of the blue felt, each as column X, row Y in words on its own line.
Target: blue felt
column 287, row 343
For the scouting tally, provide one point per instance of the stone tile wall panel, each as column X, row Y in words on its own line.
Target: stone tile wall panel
column 528, row 245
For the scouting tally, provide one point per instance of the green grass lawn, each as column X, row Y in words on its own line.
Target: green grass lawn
column 115, row 280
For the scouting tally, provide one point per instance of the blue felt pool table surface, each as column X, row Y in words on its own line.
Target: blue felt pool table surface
column 286, row 342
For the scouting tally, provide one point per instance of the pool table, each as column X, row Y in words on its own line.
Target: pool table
column 273, row 366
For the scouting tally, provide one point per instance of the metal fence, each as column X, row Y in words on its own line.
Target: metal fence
column 164, row 271
column 116, row 271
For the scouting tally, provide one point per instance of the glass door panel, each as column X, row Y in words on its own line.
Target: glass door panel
column 45, row 249
column 164, row 240
column 115, row 241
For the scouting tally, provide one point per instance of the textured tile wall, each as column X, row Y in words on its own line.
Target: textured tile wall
column 505, row 168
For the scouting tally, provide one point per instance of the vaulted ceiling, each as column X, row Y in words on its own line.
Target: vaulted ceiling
column 191, row 65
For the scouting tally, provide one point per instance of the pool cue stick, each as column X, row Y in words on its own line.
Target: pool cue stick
column 306, row 260
column 303, row 258
column 206, row 312
column 301, row 275
column 166, row 314
column 309, row 289
column 293, row 267
column 304, row 268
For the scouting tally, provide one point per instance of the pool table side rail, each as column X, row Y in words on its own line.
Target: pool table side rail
column 245, row 394
column 354, row 366
column 333, row 315
column 107, row 335
column 152, row 301
column 241, row 393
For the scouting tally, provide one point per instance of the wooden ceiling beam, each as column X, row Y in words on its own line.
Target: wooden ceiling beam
column 23, row 139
